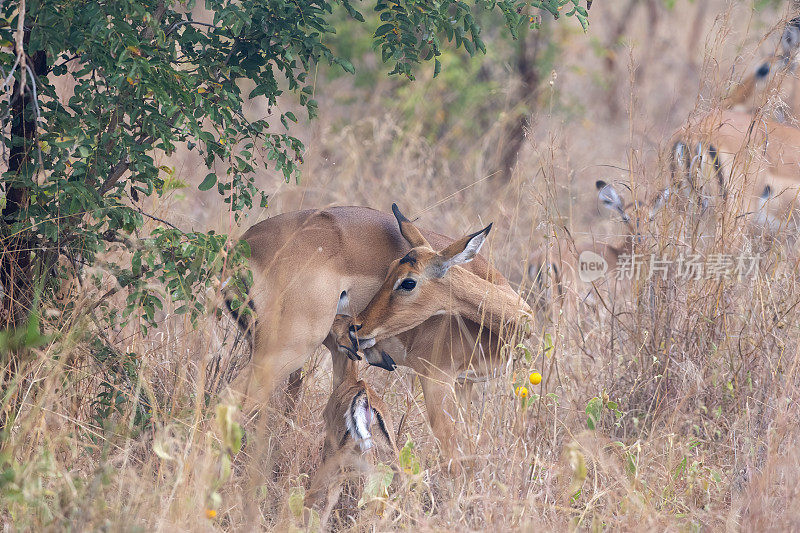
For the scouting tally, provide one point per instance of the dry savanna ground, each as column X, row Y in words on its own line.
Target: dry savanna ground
column 668, row 404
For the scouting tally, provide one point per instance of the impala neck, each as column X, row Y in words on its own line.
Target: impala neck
column 498, row 308
column 344, row 370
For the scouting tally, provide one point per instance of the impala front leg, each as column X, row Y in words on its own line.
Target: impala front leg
column 442, row 414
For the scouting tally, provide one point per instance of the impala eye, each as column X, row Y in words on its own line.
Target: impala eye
column 408, row 284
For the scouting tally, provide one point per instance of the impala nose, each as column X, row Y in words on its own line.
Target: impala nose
column 387, row 363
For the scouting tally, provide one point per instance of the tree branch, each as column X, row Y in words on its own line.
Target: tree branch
column 116, row 173
column 153, row 217
column 148, row 33
column 187, row 22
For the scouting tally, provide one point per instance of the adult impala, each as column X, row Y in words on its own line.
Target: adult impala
column 745, row 154
column 776, row 74
column 474, row 308
column 310, row 265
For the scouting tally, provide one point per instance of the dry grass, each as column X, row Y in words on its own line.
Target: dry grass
column 705, row 373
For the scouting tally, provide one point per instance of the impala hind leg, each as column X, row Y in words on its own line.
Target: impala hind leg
column 270, row 370
column 266, row 457
column 282, row 344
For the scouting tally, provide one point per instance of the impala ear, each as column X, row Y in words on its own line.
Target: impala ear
column 763, row 70
column 764, row 198
column 661, row 198
column 790, row 39
column 611, row 199
column 364, row 409
column 408, row 230
column 462, row 251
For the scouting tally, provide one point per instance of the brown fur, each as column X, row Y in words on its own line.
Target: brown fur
column 303, row 261
column 781, row 79
column 753, row 153
column 341, row 451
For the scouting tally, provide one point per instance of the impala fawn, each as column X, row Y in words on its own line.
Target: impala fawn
column 355, row 421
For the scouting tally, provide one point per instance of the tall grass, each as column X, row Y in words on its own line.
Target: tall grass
column 691, row 386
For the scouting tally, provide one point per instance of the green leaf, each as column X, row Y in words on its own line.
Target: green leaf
column 297, row 501
column 530, row 400
column 383, row 30
column 408, row 459
column 594, row 410
column 548, row 345
column 208, row 182
column 630, row 463
column 347, row 66
column 377, row 484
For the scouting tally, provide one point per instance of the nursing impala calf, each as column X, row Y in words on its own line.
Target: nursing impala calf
column 356, row 419
column 308, row 266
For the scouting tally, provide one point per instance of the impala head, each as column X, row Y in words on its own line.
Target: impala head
column 785, row 57
column 353, row 406
column 786, row 54
column 376, row 355
column 355, row 422
column 609, row 198
column 416, row 287
column 790, row 42
column 362, row 411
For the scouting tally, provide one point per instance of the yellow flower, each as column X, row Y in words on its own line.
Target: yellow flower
column 535, row 378
column 522, row 392
column 211, row 514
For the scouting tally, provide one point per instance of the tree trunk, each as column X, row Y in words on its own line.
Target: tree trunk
column 610, row 60
column 513, row 136
column 16, row 265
